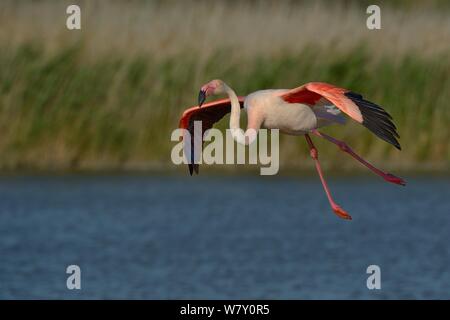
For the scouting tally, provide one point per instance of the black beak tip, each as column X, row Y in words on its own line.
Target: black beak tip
column 201, row 97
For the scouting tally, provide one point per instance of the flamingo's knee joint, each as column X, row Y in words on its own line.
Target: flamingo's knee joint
column 344, row 147
column 314, row 153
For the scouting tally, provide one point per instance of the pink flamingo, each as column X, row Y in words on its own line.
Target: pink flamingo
column 298, row 111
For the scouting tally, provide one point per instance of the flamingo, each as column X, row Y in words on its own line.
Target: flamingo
column 299, row 111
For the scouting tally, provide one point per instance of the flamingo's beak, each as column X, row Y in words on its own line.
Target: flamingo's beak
column 201, row 97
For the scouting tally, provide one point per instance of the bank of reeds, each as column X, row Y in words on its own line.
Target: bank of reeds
column 108, row 97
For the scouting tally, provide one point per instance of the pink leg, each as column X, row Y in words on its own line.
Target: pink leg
column 344, row 147
column 314, row 154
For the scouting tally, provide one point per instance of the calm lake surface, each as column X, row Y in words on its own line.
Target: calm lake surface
column 144, row 237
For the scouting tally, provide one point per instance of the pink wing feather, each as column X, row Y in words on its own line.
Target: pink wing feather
column 372, row 116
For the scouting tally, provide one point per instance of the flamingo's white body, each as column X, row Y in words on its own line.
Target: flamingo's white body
column 298, row 111
column 289, row 118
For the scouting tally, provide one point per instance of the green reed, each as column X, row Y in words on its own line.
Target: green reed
column 63, row 111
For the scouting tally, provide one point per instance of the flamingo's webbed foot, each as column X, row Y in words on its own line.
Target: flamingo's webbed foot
column 341, row 213
column 393, row 179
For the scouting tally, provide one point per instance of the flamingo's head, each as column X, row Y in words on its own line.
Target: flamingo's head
column 211, row 88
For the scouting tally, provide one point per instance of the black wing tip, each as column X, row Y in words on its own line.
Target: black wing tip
column 395, row 143
column 193, row 168
column 376, row 119
column 353, row 95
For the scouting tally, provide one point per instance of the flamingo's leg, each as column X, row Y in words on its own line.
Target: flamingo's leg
column 315, row 155
column 344, row 147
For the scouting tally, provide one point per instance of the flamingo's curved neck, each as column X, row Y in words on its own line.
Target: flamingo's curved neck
column 238, row 134
column 235, row 108
column 236, row 131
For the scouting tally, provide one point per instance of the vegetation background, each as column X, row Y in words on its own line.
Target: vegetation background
column 108, row 96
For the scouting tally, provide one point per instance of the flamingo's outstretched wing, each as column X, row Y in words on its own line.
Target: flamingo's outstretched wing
column 208, row 114
column 372, row 116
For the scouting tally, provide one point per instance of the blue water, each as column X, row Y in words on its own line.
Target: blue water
column 222, row 238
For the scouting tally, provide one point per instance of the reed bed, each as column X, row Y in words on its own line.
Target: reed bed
column 107, row 97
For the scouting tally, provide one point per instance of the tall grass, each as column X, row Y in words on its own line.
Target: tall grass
column 109, row 96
